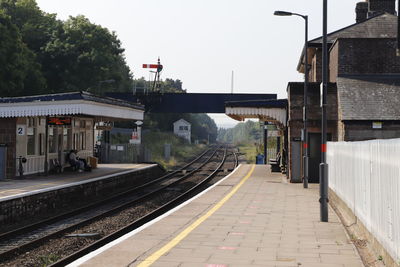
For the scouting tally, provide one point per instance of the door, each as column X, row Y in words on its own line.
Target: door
column 295, row 174
column 315, row 156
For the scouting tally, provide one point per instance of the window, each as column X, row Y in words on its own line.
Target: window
column 31, row 134
column 41, row 144
column 76, row 141
column 31, row 122
column 65, row 139
column 52, row 140
column 83, row 124
column 183, row 128
column 83, row 141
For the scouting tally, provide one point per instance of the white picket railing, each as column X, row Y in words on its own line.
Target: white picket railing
column 366, row 176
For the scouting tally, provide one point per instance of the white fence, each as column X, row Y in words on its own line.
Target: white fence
column 366, row 176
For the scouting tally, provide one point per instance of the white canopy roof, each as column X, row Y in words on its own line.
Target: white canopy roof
column 276, row 115
column 45, row 106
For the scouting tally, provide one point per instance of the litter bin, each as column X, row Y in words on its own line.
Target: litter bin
column 260, row 159
column 93, row 161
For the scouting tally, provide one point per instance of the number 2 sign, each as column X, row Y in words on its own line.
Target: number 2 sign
column 21, row 129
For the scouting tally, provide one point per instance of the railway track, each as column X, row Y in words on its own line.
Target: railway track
column 187, row 179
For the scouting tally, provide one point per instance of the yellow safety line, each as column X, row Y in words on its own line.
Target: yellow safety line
column 156, row 255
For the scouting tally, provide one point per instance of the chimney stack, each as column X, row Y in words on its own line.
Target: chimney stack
column 361, row 11
column 376, row 7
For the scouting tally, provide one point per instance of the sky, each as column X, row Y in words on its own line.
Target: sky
column 202, row 42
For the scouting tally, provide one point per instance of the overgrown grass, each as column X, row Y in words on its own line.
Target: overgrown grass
column 181, row 151
column 249, row 151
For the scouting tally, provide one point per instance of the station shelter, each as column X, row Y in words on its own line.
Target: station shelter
column 267, row 111
column 43, row 129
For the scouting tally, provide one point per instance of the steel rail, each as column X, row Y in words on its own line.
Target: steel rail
column 10, row 234
column 141, row 221
column 40, row 240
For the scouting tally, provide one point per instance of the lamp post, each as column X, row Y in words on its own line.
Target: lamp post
column 304, row 131
column 323, row 167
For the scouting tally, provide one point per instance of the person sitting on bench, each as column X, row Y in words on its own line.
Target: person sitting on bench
column 75, row 161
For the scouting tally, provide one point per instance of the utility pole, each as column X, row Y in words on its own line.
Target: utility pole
column 305, row 104
column 323, row 167
column 159, row 68
column 304, row 133
column 232, row 84
column 265, row 126
column 398, row 28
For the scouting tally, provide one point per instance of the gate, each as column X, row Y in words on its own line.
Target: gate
column 123, row 153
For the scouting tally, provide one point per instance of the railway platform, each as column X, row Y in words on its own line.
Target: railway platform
column 251, row 218
column 36, row 184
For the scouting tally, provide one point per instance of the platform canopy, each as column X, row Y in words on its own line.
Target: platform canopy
column 75, row 103
column 265, row 110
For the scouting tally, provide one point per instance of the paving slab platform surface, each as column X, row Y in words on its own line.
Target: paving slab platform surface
column 13, row 187
column 266, row 222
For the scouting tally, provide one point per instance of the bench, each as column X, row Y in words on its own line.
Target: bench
column 55, row 166
column 275, row 163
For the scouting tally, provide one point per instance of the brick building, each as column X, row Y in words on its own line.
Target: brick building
column 364, row 90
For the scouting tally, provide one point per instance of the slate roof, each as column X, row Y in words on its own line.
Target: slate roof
column 183, row 121
column 71, row 96
column 381, row 26
column 372, row 97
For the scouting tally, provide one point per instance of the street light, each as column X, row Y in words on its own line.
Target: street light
column 304, row 132
column 323, row 167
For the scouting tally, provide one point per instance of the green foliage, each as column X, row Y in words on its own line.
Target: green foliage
column 166, row 86
column 41, row 54
column 247, row 132
column 204, row 128
column 19, row 71
column 89, row 55
column 181, row 151
column 48, row 259
column 250, row 152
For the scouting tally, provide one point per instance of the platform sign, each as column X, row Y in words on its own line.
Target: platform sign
column 377, row 125
column 59, row 121
column 21, row 129
column 273, row 133
column 136, row 136
column 104, row 127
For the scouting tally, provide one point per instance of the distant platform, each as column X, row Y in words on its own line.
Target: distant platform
column 36, row 183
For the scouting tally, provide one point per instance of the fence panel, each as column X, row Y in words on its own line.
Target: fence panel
column 366, row 176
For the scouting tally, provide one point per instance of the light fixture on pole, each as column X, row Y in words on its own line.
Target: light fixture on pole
column 323, row 167
column 305, row 102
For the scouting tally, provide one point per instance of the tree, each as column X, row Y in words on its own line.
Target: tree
column 74, row 55
column 247, row 132
column 83, row 55
column 19, row 71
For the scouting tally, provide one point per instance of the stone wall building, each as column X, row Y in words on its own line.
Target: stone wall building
column 364, row 91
